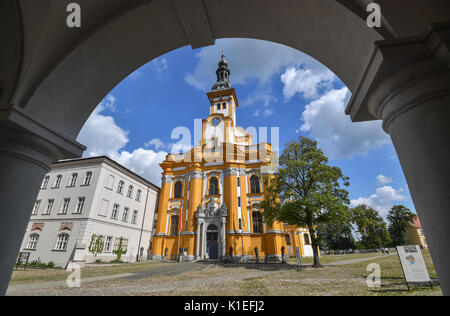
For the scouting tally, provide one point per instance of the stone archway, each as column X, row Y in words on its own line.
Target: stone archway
column 52, row 78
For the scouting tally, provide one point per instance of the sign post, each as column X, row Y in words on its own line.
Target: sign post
column 299, row 261
column 413, row 265
column 22, row 258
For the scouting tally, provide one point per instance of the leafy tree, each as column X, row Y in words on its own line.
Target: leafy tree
column 399, row 218
column 96, row 245
column 120, row 250
column 306, row 191
column 371, row 227
column 337, row 236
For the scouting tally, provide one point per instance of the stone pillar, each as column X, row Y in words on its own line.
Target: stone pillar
column 197, row 247
column 203, row 241
column 223, row 237
column 407, row 85
column 24, row 160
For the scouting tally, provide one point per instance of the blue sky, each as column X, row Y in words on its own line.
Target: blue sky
column 276, row 86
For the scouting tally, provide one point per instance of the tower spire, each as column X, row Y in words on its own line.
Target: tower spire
column 223, row 74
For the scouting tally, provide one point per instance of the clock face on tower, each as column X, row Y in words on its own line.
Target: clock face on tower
column 215, row 121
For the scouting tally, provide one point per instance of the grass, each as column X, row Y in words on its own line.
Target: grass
column 335, row 258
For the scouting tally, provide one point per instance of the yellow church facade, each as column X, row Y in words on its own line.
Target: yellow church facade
column 210, row 197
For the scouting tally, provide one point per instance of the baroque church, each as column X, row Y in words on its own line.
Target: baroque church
column 209, row 205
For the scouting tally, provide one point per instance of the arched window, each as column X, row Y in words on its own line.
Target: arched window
column 178, row 189
column 73, row 180
column 257, row 222
column 138, row 195
column 130, row 191
column 213, row 186
column 61, row 243
column 32, row 241
column 174, row 225
column 88, row 177
column 254, row 184
column 288, row 239
column 110, row 182
column 306, row 238
column 212, row 227
column 120, row 187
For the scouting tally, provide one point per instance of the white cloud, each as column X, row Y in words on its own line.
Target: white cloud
column 382, row 180
column 325, row 120
column 143, row 162
column 384, row 198
column 156, row 142
column 305, row 82
column 248, row 59
column 268, row 112
column 102, row 136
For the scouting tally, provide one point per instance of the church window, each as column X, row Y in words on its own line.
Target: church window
column 254, row 185
column 306, row 238
column 288, row 239
column 224, row 106
column 218, row 106
column 174, row 225
column 257, row 222
column 213, row 186
column 178, row 189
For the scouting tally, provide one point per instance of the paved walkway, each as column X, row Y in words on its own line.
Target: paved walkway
column 170, row 270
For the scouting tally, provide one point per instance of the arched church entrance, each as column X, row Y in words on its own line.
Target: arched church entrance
column 212, row 246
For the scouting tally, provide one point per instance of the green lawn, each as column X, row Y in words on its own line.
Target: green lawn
column 335, row 258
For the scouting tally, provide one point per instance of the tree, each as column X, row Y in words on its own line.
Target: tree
column 371, row 227
column 399, row 218
column 306, row 191
column 120, row 250
column 96, row 245
column 336, row 236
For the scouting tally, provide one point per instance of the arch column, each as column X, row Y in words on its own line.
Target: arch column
column 25, row 158
column 407, row 85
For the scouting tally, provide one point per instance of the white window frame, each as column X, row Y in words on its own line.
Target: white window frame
column 61, row 244
column 126, row 211
column 88, row 178
column 80, row 205
column 134, row 217
column 65, row 206
column 108, row 244
column 138, row 195
column 130, row 191
column 120, row 187
column 58, row 181
column 50, row 204
column 115, row 211
column 73, row 180
column 36, row 206
column 32, row 243
column 45, row 182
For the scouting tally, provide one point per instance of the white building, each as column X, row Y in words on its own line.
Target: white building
column 94, row 196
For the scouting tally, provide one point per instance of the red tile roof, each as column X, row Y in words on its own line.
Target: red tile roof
column 416, row 223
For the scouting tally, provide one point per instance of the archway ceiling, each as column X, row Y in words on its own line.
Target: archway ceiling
column 64, row 72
